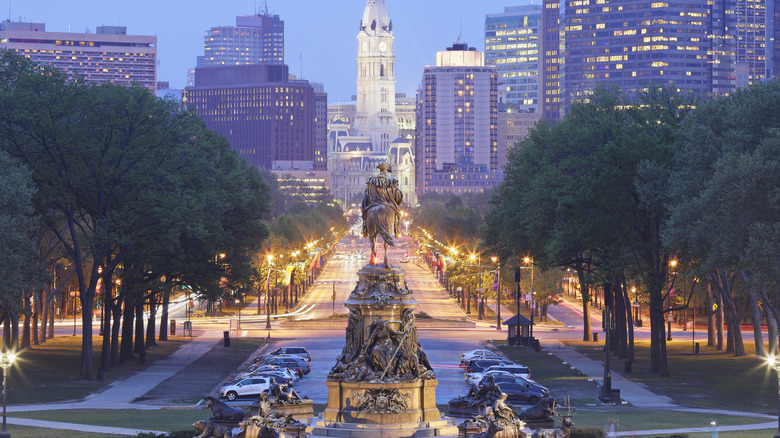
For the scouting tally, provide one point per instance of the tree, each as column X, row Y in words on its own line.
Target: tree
column 17, row 259
column 588, row 194
column 724, row 204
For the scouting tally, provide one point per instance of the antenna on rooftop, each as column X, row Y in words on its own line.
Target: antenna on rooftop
column 264, row 10
column 460, row 32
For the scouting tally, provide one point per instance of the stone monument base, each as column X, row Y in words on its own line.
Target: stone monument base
column 438, row 428
column 382, row 410
column 302, row 411
column 368, row 402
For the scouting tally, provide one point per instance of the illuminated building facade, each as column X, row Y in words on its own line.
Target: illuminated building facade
column 254, row 39
column 632, row 43
column 107, row 56
column 457, row 133
column 372, row 136
column 552, row 106
column 267, row 118
column 513, row 44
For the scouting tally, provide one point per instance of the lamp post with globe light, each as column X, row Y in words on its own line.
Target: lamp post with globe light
column 774, row 363
column 268, row 294
column 6, row 360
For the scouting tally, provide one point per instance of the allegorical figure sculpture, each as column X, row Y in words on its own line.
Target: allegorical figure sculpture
column 381, row 210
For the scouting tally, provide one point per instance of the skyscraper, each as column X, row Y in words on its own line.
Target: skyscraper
column 513, row 45
column 632, row 43
column 267, row 118
column 457, row 139
column 109, row 55
column 254, row 39
column 355, row 152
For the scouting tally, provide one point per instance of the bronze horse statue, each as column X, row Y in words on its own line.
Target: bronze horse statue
column 380, row 209
column 380, row 221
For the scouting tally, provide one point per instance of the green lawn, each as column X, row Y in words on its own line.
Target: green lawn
column 711, row 379
column 48, row 372
column 549, row 371
column 37, row 432
column 161, row 419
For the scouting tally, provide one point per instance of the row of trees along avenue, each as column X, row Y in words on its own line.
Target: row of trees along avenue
column 109, row 189
column 676, row 197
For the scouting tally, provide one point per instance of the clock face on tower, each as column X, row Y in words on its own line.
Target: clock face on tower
column 382, row 46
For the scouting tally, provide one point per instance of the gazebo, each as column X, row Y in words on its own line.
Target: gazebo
column 519, row 332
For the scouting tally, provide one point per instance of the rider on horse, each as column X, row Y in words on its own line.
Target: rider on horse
column 383, row 191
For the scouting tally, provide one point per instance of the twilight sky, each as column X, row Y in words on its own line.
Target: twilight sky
column 322, row 32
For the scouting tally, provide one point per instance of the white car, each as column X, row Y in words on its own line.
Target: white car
column 476, row 354
column 252, row 386
column 515, row 370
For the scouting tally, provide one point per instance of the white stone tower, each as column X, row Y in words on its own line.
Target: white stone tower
column 375, row 116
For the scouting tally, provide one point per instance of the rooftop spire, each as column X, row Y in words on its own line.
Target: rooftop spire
column 375, row 19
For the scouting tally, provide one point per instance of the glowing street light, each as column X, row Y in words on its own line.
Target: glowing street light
column 773, row 363
column 6, row 360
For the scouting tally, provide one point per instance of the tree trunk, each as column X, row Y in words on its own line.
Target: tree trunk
column 756, row 315
column 6, row 326
column 771, row 323
column 585, row 295
column 139, row 347
column 719, row 344
column 86, row 337
column 14, row 327
column 658, row 359
column 150, row 326
column 26, row 325
column 164, row 315
column 733, row 320
column 621, row 322
column 44, row 315
column 126, row 346
column 629, row 319
column 711, row 321
column 51, row 304
column 116, row 315
column 105, row 351
column 36, row 299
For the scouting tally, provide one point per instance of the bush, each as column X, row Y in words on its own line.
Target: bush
column 423, row 315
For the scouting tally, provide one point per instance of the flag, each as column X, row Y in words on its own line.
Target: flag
column 495, row 280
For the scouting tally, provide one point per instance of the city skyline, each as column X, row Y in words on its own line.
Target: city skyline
column 324, row 35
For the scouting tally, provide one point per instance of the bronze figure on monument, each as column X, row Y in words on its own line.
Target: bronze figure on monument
column 381, row 210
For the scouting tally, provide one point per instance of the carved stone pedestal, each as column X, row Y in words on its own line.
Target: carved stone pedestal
column 302, row 411
column 377, row 403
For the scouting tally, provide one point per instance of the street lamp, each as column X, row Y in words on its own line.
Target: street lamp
column 6, row 360
column 497, row 288
column 773, row 363
column 238, row 326
column 481, row 308
column 529, row 260
column 268, row 294
column 669, row 318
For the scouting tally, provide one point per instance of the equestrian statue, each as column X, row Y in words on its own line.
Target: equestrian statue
column 381, row 210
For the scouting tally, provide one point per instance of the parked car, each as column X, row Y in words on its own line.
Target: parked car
column 301, row 366
column 294, row 351
column 405, row 258
column 282, row 375
column 250, row 387
column 264, row 369
column 517, row 388
column 476, row 354
column 518, row 370
column 479, row 365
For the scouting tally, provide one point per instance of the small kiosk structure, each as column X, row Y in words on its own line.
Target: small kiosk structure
column 519, row 332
